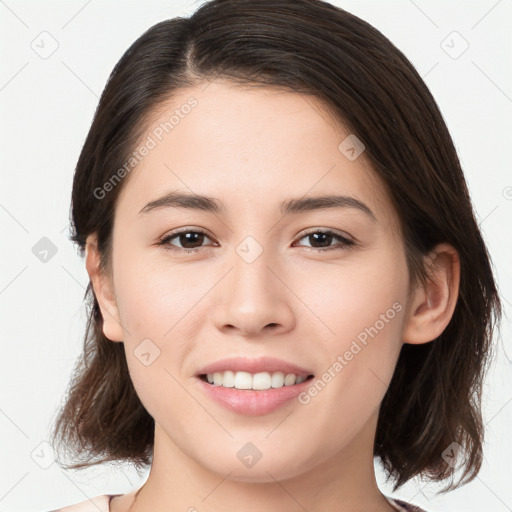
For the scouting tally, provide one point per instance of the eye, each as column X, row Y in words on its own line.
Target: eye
column 322, row 239
column 190, row 240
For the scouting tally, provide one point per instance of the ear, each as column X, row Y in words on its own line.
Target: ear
column 103, row 290
column 432, row 306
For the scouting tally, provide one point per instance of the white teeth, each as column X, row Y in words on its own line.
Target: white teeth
column 277, row 379
column 261, row 380
column 243, row 380
column 258, row 381
column 227, row 380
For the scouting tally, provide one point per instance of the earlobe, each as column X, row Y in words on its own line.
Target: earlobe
column 432, row 305
column 103, row 291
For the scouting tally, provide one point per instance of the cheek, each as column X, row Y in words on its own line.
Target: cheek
column 355, row 294
column 153, row 295
column 154, row 315
column 152, row 302
column 360, row 308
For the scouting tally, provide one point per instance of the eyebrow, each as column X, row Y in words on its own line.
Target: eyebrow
column 294, row 205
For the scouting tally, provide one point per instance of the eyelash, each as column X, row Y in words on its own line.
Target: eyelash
column 167, row 238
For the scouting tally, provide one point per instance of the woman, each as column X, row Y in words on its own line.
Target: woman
column 287, row 278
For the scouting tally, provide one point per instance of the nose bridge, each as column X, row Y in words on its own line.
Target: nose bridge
column 252, row 280
column 252, row 296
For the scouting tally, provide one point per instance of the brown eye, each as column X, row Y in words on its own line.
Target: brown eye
column 188, row 240
column 321, row 240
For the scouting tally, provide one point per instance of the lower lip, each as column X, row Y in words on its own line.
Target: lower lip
column 250, row 402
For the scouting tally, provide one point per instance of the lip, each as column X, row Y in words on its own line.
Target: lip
column 249, row 402
column 262, row 364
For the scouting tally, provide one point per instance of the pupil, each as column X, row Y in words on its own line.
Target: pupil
column 323, row 239
column 322, row 236
column 188, row 237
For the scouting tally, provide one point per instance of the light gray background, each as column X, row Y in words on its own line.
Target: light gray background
column 47, row 105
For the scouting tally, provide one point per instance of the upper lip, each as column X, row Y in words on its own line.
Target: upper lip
column 262, row 364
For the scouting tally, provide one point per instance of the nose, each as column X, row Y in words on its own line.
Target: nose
column 253, row 299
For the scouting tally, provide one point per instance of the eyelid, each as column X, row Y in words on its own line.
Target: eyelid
column 187, row 229
column 346, row 240
column 330, row 231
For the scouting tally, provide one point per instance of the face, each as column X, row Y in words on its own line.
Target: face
column 325, row 289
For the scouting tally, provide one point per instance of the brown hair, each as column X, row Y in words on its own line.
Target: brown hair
column 315, row 48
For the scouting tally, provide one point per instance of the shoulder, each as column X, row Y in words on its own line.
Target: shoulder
column 97, row 504
column 403, row 506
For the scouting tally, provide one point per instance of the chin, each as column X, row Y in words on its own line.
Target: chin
column 265, row 470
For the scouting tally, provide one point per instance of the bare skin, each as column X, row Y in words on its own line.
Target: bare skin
column 253, row 149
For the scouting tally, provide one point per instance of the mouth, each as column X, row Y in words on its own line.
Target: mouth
column 253, row 394
column 253, row 373
column 254, row 382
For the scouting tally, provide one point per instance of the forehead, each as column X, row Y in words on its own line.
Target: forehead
column 248, row 146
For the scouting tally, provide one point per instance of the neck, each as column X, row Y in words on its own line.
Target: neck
column 344, row 482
